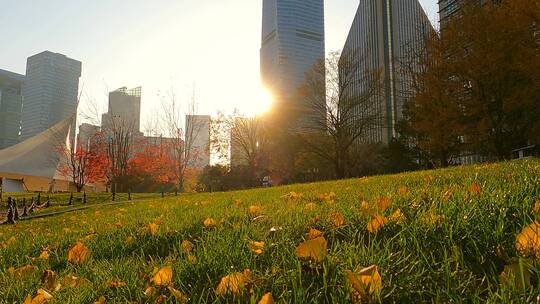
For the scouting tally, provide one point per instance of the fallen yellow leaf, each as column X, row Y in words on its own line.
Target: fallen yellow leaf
column 376, row 223
column 314, row 250
column 267, row 299
column 163, row 277
column 44, row 255
column 310, row 206
column 397, row 216
column 256, row 247
column 403, row 190
column 254, row 211
column 178, row 295
column 383, row 203
column 101, row 300
column 42, row 297
column 337, row 219
column 78, row 253
column 475, row 188
column 187, row 246
column 365, row 282
column 209, row 223
column 314, row 233
column 528, row 241
column 237, row 203
column 153, row 228
column 23, row 271
column 234, row 283
column 115, row 284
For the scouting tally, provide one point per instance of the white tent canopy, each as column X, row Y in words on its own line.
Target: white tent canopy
column 37, row 156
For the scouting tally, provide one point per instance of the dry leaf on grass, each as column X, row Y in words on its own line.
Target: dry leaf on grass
column 254, row 211
column 152, row 228
column 42, row 297
column 383, row 203
column 209, row 223
column 376, row 223
column 256, row 247
column 528, row 241
column 337, row 219
column 267, row 299
column 115, row 284
column 187, row 246
column 314, row 233
column 49, row 280
column 163, row 277
column 314, row 250
column 78, row 254
column 365, row 282
column 517, row 275
column 234, row 283
column 475, row 188
column 23, row 271
column 178, row 295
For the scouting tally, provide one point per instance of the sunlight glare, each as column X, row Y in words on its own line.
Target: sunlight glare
column 259, row 102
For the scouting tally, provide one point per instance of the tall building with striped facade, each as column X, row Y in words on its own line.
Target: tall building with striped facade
column 291, row 44
column 386, row 33
column 449, row 8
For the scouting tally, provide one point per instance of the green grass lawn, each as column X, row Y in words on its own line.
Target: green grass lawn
column 456, row 235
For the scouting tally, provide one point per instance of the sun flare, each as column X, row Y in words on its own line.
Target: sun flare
column 258, row 102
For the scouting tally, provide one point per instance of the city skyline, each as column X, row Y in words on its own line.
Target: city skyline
column 126, row 51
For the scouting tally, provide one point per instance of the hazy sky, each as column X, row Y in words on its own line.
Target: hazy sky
column 162, row 45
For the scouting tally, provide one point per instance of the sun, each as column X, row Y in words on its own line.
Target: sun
column 257, row 102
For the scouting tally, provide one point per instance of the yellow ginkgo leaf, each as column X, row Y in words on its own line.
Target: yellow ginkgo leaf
column 528, row 241
column 115, row 284
column 314, row 250
column 475, row 188
column 178, row 295
column 237, row 203
column 150, row 292
column 267, row 299
column 403, row 190
column 365, row 282
column 293, row 195
column 310, row 206
column 337, row 219
column 101, row 300
column 376, row 223
column 23, row 271
column 72, row 281
column 367, row 209
column 153, row 228
column 234, row 283
column 129, row 240
column 187, row 246
column 383, row 203
column 254, row 211
column 78, row 254
column 163, row 277
column 209, row 223
column 44, row 255
column 42, row 297
column 327, row 197
column 256, row 247
column 314, row 233
column 397, row 216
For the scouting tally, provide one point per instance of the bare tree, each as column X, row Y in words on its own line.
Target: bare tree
column 118, row 135
column 184, row 132
column 339, row 116
column 245, row 138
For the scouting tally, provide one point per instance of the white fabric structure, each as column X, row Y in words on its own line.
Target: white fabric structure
column 35, row 161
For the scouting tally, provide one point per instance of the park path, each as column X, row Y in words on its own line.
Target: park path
column 70, row 210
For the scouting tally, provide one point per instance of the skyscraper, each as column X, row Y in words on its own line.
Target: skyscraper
column 124, row 108
column 449, row 8
column 10, row 108
column 197, row 141
column 292, row 42
column 386, row 33
column 50, row 91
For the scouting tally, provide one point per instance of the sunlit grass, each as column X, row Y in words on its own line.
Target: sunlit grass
column 451, row 244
